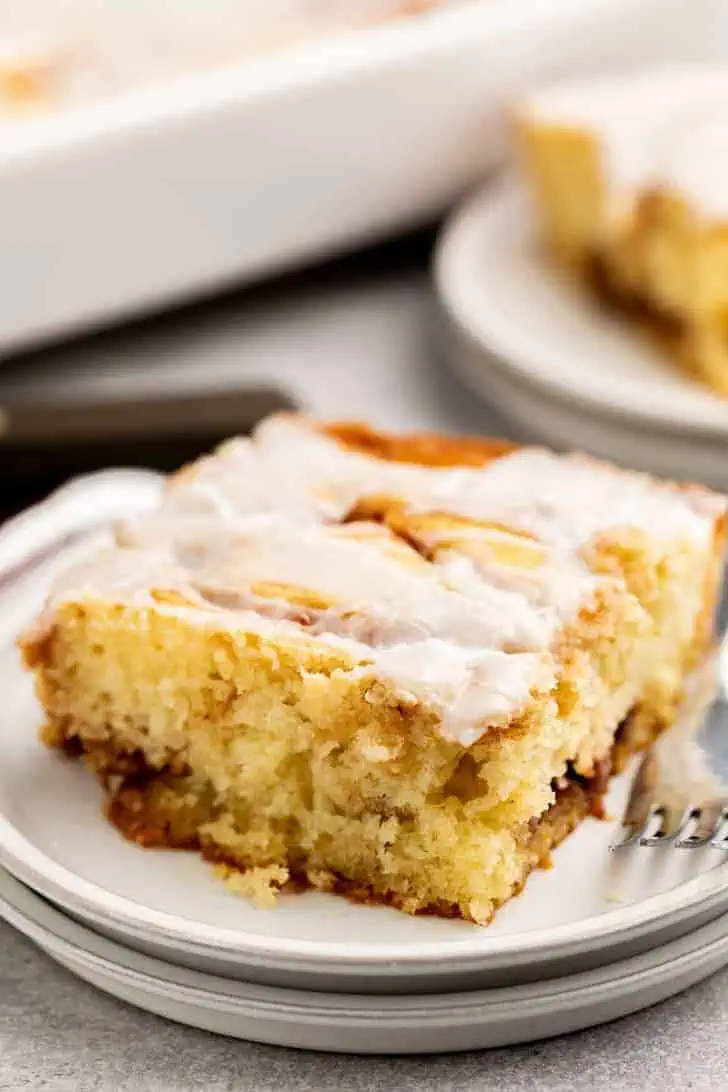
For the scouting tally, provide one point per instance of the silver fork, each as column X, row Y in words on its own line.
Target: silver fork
column 679, row 796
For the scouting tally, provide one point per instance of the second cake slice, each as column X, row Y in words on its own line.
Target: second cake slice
column 630, row 175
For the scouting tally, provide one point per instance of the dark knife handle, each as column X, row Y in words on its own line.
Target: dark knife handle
column 43, row 444
column 41, row 424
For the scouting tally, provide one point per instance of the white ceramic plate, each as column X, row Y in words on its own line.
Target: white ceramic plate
column 505, row 295
column 174, row 192
column 394, row 1025
column 593, row 906
column 568, row 423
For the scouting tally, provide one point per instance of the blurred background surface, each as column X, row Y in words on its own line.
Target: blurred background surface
column 286, row 164
column 357, row 338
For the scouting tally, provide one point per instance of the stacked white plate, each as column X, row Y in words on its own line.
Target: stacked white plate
column 598, row 936
column 534, row 345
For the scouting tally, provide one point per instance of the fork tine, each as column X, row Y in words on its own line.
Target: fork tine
column 711, row 828
column 638, row 810
column 632, row 835
column 637, row 831
column 696, row 829
column 720, row 830
column 707, row 821
column 688, row 765
column 672, row 823
column 678, row 834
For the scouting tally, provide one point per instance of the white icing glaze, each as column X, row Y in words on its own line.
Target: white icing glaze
column 567, row 501
column 563, row 500
column 377, row 596
column 650, row 128
column 474, row 688
column 469, row 688
column 559, row 587
column 469, row 634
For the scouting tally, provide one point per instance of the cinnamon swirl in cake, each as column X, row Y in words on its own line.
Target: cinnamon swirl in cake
column 399, row 667
column 630, row 175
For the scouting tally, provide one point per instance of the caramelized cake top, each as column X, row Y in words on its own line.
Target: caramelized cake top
column 444, row 568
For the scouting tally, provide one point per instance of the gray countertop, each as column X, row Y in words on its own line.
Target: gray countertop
column 60, row 1035
column 356, row 340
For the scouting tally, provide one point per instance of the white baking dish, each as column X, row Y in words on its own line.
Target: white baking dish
column 157, row 196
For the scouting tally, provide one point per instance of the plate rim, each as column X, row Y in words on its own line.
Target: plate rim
column 545, row 417
column 506, row 196
column 65, row 888
column 139, row 967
